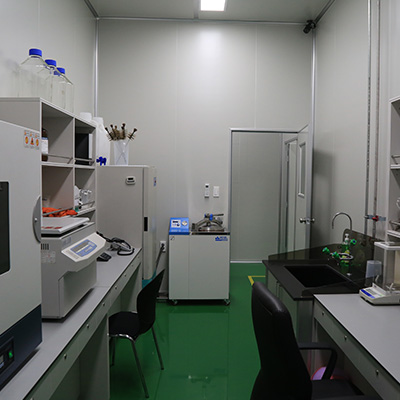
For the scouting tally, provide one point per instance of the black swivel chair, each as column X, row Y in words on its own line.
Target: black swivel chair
column 130, row 325
column 283, row 374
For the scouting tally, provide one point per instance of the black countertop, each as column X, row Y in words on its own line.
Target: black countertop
column 355, row 275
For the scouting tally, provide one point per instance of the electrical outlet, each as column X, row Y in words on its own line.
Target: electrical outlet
column 163, row 244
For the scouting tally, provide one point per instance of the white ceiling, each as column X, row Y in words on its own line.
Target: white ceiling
column 291, row 11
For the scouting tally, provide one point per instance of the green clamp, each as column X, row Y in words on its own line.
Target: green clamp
column 325, row 250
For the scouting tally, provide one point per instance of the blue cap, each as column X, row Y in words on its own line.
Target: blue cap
column 61, row 70
column 35, row 52
column 51, row 62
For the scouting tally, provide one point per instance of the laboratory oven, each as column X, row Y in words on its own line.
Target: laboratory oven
column 20, row 211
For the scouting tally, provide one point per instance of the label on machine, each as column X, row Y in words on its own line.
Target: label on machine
column 179, row 226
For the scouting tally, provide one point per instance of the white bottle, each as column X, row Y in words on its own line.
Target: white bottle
column 32, row 74
column 68, row 90
column 54, row 82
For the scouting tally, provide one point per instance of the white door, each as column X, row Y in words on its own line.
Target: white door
column 255, row 194
column 270, row 193
column 296, row 188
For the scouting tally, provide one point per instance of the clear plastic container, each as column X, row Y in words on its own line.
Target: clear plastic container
column 55, row 83
column 32, row 75
column 68, row 89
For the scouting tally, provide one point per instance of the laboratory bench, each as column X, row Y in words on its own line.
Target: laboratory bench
column 368, row 337
column 362, row 251
column 299, row 298
column 72, row 361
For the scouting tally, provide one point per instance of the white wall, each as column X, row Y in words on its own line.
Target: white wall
column 63, row 30
column 184, row 85
column 341, row 120
column 341, row 115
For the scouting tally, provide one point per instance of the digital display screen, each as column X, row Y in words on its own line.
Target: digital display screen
column 80, row 246
column 175, row 223
column 84, row 248
column 4, row 228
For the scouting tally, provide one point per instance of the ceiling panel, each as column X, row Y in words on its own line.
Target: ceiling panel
column 295, row 11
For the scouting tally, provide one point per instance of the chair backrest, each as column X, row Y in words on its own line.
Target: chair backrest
column 146, row 303
column 283, row 374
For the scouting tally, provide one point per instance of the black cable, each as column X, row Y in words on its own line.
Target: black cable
column 122, row 247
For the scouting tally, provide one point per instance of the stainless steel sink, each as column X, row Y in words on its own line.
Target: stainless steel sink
column 316, row 275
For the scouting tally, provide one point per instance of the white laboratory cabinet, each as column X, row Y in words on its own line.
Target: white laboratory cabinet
column 20, row 276
column 126, row 205
column 199, row 266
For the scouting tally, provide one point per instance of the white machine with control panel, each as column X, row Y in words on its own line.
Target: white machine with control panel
column 20, row 210
column 377, row 295
column 70, row 247
column 199, row 260
column 388, row 291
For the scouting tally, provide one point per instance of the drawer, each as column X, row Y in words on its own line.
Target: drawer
column 87, row 330
column 339, row 335
column 377, row 376
column 56, row 373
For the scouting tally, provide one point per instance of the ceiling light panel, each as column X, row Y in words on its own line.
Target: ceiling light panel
column 212, row 5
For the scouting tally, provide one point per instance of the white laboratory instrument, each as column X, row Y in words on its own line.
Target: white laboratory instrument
column 69, row 250
column 199, row 260
column 126, row 208
column 387, row 292
column 20, row 210
column 376, row 295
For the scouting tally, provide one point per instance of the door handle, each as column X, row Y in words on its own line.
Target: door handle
column 37, row 219
column 307, row 220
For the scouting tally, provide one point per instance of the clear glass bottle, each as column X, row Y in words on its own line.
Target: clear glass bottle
column 68, row 90
column 32, row 75
column 54, row 83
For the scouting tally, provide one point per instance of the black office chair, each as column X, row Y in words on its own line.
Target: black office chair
column 131, row 325
column 283, row 374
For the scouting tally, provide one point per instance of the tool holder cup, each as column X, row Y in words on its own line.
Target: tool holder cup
column 121, row 152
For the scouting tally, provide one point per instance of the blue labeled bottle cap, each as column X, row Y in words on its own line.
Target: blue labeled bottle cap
column 61, row 70
column 51, row 62
column 35, row 52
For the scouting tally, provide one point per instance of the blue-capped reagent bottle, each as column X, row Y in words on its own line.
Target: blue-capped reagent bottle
column 68, row 88
column 32, row 75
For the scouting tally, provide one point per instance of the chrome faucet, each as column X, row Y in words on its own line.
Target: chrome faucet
column 348, row 216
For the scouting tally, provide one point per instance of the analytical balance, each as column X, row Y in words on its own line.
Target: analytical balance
column 376, row 295
column 69, row 249
column 388, row 291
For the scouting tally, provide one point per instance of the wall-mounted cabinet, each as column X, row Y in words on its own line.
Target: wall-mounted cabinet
column 70, row 166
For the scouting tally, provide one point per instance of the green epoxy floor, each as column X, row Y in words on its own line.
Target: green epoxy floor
column 209, row 350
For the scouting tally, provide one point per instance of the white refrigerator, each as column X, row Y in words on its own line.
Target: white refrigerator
column 126, row 208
